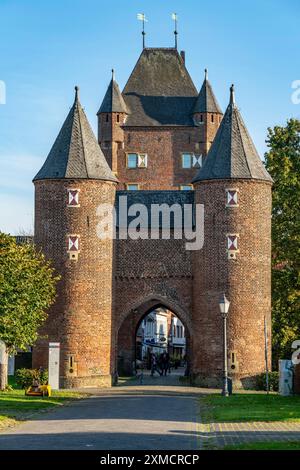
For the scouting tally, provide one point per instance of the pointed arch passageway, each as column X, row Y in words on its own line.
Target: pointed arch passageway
column 159, row 326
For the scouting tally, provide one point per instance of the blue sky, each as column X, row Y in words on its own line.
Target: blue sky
column 46, row 47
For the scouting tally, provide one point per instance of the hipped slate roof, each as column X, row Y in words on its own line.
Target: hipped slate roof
column 76, row 153
column 232, row 154
column 113, row 101
column 206, row 101
column 160, row 90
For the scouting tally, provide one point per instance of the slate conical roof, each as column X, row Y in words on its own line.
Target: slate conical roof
column 76, row 153
column 206, row 101
column 113, row 101
column 232, row 154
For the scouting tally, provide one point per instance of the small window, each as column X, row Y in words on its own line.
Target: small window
column 137, row 160
column 132, row 160
column 212, row 118
column 187, row 160
column 186, row 187
column 107, row 117
column 132, row 187
column 201, row 117
column 118, row 117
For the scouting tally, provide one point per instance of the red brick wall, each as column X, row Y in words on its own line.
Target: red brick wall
column 163, row 145
column 104, row 295
column 81, row 319
column 111, row 132
column 246, row 281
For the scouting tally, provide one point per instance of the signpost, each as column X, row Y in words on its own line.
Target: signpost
column 54, row 350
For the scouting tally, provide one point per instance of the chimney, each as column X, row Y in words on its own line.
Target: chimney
column 182, row 54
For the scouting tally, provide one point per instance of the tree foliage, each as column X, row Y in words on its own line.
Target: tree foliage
column 283, row 163
column 27, row 289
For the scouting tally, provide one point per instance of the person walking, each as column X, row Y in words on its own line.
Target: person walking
column 164, row 363
column 154, row 367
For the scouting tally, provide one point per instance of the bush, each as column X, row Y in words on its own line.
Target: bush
column 261, row 381
column 25, row 377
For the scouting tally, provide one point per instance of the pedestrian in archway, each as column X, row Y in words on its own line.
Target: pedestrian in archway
column 165, row 360
column 154, row 365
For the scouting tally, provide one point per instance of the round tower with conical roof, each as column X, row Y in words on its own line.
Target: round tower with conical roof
column 235, row 189
column 73, row 182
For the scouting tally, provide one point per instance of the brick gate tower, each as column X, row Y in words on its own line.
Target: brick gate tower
column 74, row 180
column 161, row 143
column 235, row 189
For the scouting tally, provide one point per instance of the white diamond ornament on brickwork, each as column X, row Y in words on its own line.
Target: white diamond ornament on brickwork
column 232, row 197
column 73, row 243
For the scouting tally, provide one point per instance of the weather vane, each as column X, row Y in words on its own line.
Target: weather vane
column 175, row 18
column 142, row 17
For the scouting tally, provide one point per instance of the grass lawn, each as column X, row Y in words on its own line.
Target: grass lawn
column 250, row 407
column 15, row 406
column 266, row 446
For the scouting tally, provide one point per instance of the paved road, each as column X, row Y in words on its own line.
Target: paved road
column 138, row 417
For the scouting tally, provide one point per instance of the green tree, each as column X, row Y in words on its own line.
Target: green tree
column 283, row 163
column 27, row 289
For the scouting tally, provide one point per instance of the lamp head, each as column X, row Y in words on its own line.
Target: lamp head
column 224, row 305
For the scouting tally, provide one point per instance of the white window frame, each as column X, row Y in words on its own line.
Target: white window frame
column 192, row 157
column 183, row 156
column 141, row 160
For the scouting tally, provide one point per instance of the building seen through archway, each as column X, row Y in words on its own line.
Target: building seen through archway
column 159, row 330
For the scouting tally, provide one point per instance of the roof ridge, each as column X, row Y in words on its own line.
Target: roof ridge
column 81, row 137
column 238, row 124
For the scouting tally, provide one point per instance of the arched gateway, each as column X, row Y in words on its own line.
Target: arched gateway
column 169, row 245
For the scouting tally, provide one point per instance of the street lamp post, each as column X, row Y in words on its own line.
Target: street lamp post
column 224, row 308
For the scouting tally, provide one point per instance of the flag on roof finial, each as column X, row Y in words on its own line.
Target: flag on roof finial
column 175, row 18
column 142, row 17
